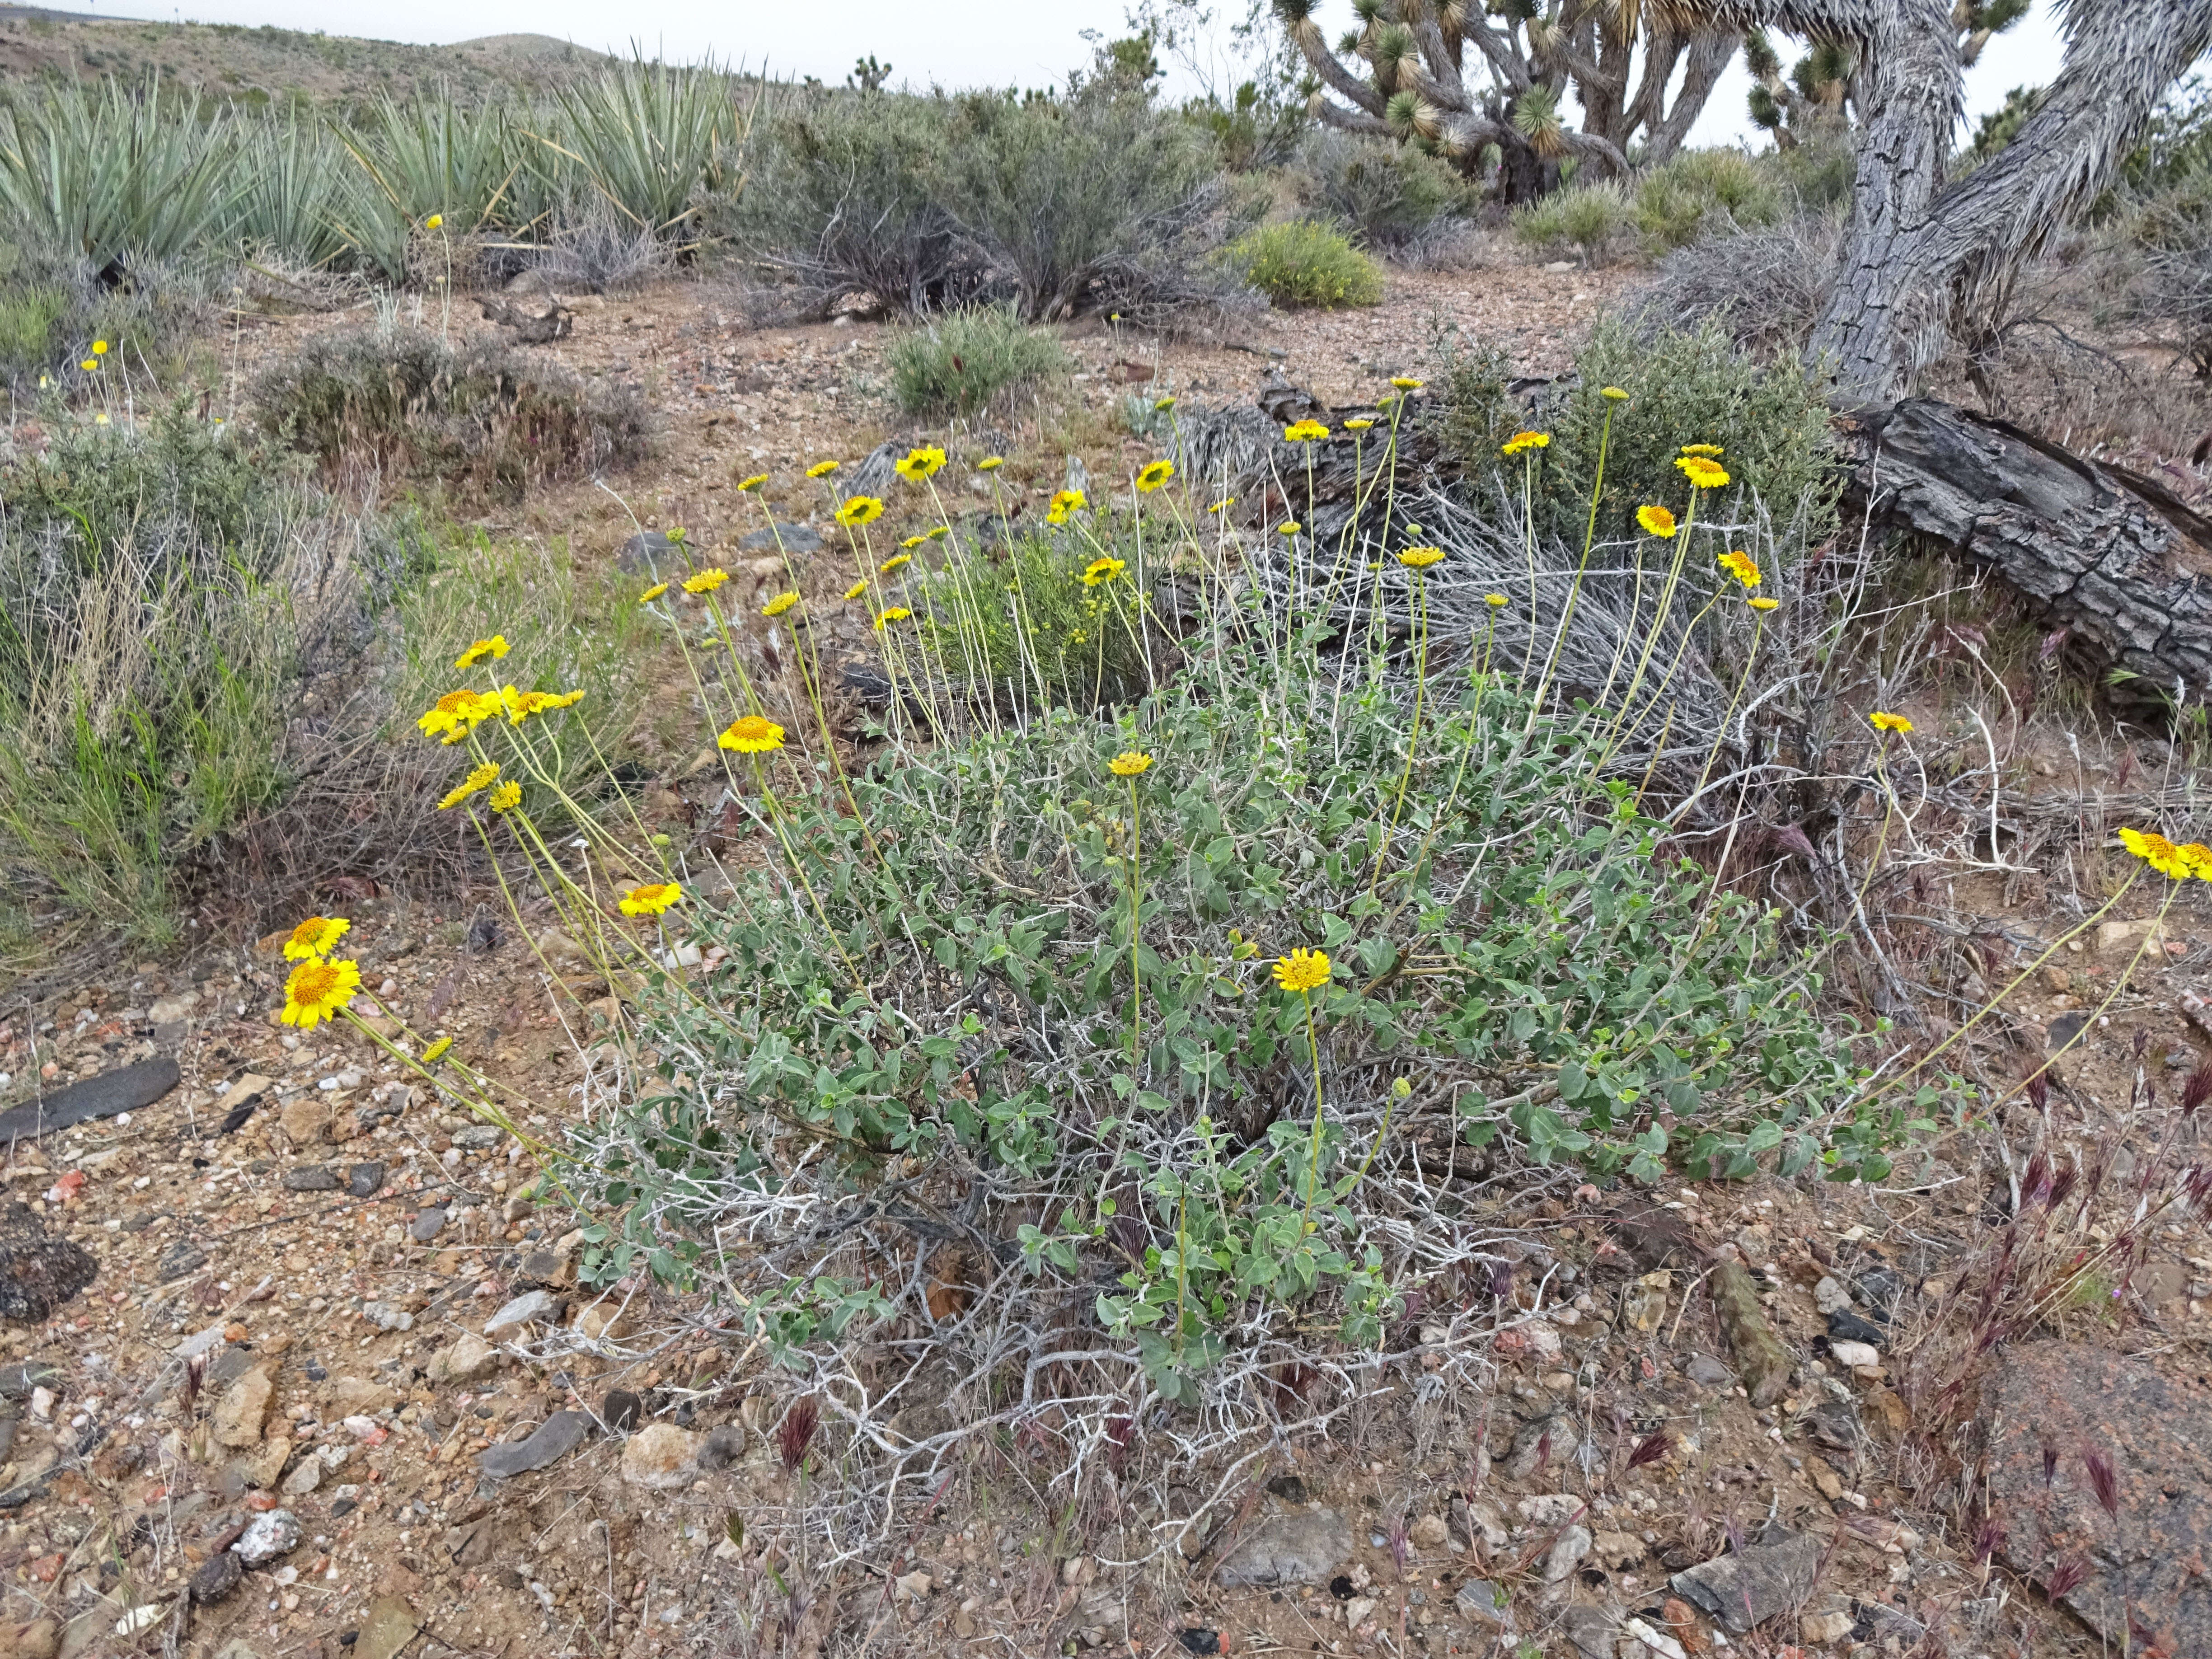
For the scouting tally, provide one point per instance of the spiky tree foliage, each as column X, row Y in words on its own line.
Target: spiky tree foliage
column 1463, row 80
column 1816, row 94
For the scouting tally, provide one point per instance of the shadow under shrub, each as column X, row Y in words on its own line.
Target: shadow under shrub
column 491, row 417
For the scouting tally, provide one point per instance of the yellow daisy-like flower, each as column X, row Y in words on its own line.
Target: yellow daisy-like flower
column 1064, row 502
column 1655, row 520
column 1155, row 475
column 752, row 483
column 1358, row 423
column 1163, row 405
column 1613, row 394
column 436, row 1051
column 1711, row 451
column 567, row 699
column 1129, row 763
column 856, row 589
column 1304, row 432
column 937, row 534
column 1404, row 383
column 1702, row 473
column 2198, row 857
column 1758, row 603
column 89, row 364
column 434, row 221
column 457, row 713
column 494, row 647
column 990, row 464
column 821, row 469
column 1223, row 505
column 913, row 541
column 1302, row 969
column 753, row 734
column 707, row 581
column 859, row 510
column 1521, row 441
column 1888, row 722
column 318, row 936
column 1103, row 569
column 895, row 562
column 897, row 613
column 779, row 605
column 317, row 990
column 1420, row 558
column 652, row 593
column 1496, row 601
column 100, row 347
column 522, row 705
column 1289, row 527
column 506, row 798
column 482, row 778
column 652, row 899
column 920, row 464
column 1741, row 566
column 2161, row 854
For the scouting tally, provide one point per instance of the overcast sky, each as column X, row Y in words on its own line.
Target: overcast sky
column 977, row 42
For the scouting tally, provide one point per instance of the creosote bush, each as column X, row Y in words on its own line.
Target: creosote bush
column 1303, row 266
column 958, row 364
column 1386, row 196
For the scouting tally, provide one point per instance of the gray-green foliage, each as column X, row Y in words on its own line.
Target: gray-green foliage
column 959, row 363
column 1698, row 193
column 1385, row 196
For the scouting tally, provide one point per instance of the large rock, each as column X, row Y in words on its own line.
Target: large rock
column 660, row 1456
column 244, row 1408
column 38, row 1273
column 554, row 1438
column 1304, row 1546
column 2154, row 1423
column 1758, row 1582
column 126, row 1089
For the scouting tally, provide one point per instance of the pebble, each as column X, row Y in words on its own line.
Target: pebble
column 553, row 1439
column 427, row 1226
column 311, row 1178
column 267, row 1536
column 659, row 1456
column 365, row 1180
column 217, row 1577
column 387, row 1315
column 1853, row 1354
column 525, row 1309
column 725, row 1445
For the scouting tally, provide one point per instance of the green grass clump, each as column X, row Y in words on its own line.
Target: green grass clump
column 959, row 364
column 1706, row 192
column 1585, row 219
column 1302, row 265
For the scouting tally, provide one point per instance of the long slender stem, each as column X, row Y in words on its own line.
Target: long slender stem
column 1313, row 1168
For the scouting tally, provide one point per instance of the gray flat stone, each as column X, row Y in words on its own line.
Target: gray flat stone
column 427, row 1226
column 649, row 553
column 525, row 1310
column 38, row 1273
column 1303, row 1546
column 311, row 1178
column 181, row 1258
column 1765, row 1579
column 555, row 1438
column 126, row 1089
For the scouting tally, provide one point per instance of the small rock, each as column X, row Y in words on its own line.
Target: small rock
column 795, row 539
column 467, row 1359
column 913, row 1587
column 268, row 1535
column 243, row 1409
column 1707, row 1372
column 1549, row 1508
column 1594, row 1630
column 38, row 1273
column 304, row 1119
column 479, row 1136
column 365, row 1180
column 126, row 1089
column 306, row 1476
column 390, row 1625
column 1481, row 1601
column 1358, row 1610
column 1816, row 1628
column 181, row 1258
column 1646, row 1307
column 724, row 1446
column 1567, row 1553
column 552, row 1269
column 387, row 1315
column 38, row 1638
column 140, row 1618
column 217, row 1577
column 621, row 1410
column 554, row 1438
column 1430, row 1533
column 356, row 1396
column 1844, row 1326
column 1304, row 1546
column 659, row 1456
column 1829, row 1296
column 524, row 1311
column 1619, row 1550
column 1541, row 1443
column 1853, row 1354
column 649, row 553
column 427, row 1226
column 1754, row 1584
column 311, row 1178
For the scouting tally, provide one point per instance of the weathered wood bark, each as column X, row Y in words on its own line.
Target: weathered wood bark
column 2125, row 566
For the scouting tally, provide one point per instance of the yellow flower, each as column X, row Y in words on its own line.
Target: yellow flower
column 859, row 510
column 100, row 347
column 436, row 1051
column 1129, row 763
column 2198, row 857
column 1711, row 451
column 1496, row 601
column 434, row 221
column 920, row 464
column 1163, row 405
column 2161, row 854
column 652, row 593
column 1304, row 432
column 676, row 532
column 89, row 363
column 753, row 734
column 779, row 605
column 1302, row 969
column 318, row 936
column 457, row 713
column 1420, row 558
column 522, row 705
column 317, row 990
column 1155, row 475
column 1521, row 441
column 1404, row 383
column 651, row 899
column 990, row 464
column 1358, row 423
column 1883, row 722
column 1702, row 473
column 567, row 699
column 897, row 613
column 496, row 647
column 1103, row 569
column 1655, row 520
column 1223, row 505
column 506, row 798
column 913, row 541
column 1613, row 394
column 1289, row 527
column 936, row 535
column 895, row 562
column 821, row 469
column 752, row 483
column 482, row 778
column 857, row 589
column 1740, row 565
column 707, row 581
column 1063, row 503
column 1758, row 603
column 100, row 419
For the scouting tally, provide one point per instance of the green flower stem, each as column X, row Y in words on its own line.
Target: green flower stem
column 1574, row 592
column 1313, row 1165
column 1136, row 920
column 1413, row 738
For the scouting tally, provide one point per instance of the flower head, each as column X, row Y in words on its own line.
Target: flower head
column 458, row 713
column 506, row 798
column 1304, row 432
column 1063, row 503
column 859, row 510
column 2198, row 857
column 652, row 899
column 100, row 347
column 1703, row 474
column 707, row 581
column 434, row 221
column 482, row 778
column 2161, row 854
column 1223, row 505
column 1759, row 603
column 913, row 541
column 317, row 990
column 1302, row 969
column 1711, row 451
column 1521, row 441
column 652, row 593
column 89, row 364
column 821, row 469
column 990, row 464
column 1888, row 722
column 1289, row 527
column 1655, row 520
column 937, row 534
column 1741, row 566
column 1404, row 383
column 897, row 613
column 1496, row 601
column 436, row 1051
column 1358, row 423
column 895, row 562
column 1613, row 394
column 751, row 734
column 1129, row 763
column 857, row 589
column 494, row 647
column 920, row 464
column 1155, row 475
column 318, row 936
column 1163, row 405
column 1420, row 558
column 782, row 603
column 1103, row 569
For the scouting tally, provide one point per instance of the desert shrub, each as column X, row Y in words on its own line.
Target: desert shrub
column 651, row 141
column 958, row 363
column 2170, row 234
column 1387, row 196
column 598, row 249
column 1704, row 192
column 1817, row 172
column 1585, row 219
column 1302, row 265
column 491, row 416
column 1767, row 288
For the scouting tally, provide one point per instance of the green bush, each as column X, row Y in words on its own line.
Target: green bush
column 1586, row 218
column 54, row 306
column 491, row 417
column 1384, row 195
column 1704, row 192
column 1302, row 265
column 959, row 364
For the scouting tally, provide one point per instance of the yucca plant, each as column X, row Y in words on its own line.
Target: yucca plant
column 433, row 157
column 292, row 196
column 648, row 138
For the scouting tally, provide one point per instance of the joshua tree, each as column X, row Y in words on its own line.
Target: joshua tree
column 1462, row 80
column 1819, row 89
